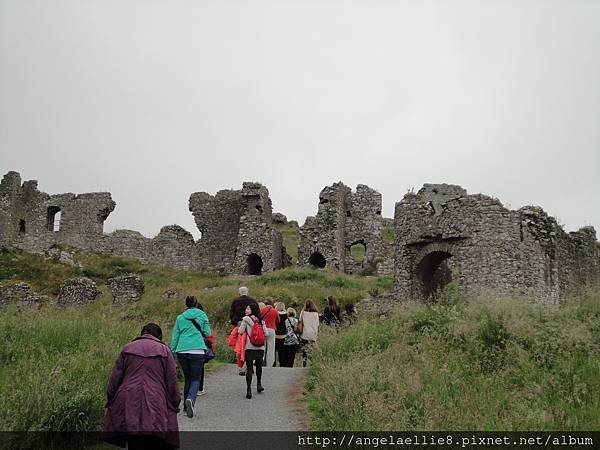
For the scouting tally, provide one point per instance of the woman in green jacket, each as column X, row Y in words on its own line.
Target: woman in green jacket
column 187, row 342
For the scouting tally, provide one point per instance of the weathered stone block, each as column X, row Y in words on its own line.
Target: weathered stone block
column 171, row 293
column 78, row 292
column 126, row 289
column 22, row 295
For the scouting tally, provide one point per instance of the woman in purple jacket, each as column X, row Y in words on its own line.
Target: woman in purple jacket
column 143, row 395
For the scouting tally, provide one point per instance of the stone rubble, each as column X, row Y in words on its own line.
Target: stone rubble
column 126, row 289
column 78, row 292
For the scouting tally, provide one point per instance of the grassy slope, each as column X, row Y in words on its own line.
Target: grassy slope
column 61, row 358
column 495, row 364
column 498, row 364
column 291, row 238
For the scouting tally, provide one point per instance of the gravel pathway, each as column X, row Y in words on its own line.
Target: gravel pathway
column 225, row 407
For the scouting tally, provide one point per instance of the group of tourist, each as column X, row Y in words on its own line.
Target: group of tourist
column 143, row 393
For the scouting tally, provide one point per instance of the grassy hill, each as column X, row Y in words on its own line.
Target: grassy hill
column 493, row 363
column 61, row 357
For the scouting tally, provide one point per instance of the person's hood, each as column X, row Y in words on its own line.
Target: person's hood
column 193, row 313
column 146, row 346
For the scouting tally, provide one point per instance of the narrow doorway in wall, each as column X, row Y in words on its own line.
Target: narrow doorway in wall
column 434, row 274
column 254, row 264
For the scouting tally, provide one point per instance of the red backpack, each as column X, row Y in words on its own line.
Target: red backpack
column 257, row 337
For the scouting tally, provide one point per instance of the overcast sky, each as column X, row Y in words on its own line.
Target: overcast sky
column 153, row 100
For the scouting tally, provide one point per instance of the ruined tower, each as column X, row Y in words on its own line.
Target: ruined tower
column 443, row 234
column 344, row 220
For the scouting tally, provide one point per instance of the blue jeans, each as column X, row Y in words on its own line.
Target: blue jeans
column 193, row 370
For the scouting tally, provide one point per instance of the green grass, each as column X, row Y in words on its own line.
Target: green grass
column 389, row 235
column 357, row 251
column 491, row 364
column 62, row 358
column 291, row 238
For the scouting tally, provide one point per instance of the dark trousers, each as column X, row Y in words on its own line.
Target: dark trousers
column 279, row 348
column 193, row 371
column 289, row 355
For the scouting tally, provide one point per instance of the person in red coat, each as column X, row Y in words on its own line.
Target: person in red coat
column 143, row 395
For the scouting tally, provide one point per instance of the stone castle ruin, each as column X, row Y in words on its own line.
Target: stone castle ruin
column 444, row 234
column 237, row 234
column 438, row 235
column 346, row 219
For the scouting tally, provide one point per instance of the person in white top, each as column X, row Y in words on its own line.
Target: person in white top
column 310, row 328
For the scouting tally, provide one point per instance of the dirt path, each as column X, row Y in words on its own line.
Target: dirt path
column 225, row 407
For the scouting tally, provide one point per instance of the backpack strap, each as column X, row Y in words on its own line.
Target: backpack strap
column 197, row 325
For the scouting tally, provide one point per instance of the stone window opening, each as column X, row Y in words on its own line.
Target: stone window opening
column 358, row 251
column 434, row 274
column 254, row 264
column 322, row 201
column 22, row 228
column 54, row 216
column 316, row 259
column 348, row 214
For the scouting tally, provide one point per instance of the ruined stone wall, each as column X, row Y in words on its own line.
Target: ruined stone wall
column 30, row 218
column 343, row 220
column 218, row 219
column 234, row 225
column 443, row 234
column 323, row 234
column 172, row 247
column 237, row 232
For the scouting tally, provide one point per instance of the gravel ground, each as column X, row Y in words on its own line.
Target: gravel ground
column 225, row 407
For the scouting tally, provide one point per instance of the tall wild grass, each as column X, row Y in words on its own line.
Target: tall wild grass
column 488, row 364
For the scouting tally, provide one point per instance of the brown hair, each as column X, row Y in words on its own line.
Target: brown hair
column 310, row 306
column 191, row 301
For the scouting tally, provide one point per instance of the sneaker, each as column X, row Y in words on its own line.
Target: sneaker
column 188, row 407
column 202, row 392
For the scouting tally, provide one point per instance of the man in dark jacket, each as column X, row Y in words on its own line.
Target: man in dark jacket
column 238, row 306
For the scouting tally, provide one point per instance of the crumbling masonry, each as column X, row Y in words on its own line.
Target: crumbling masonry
column 443, row 234
column 237, row 234
column 346, row 219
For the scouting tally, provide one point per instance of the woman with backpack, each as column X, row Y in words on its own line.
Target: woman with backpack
column 308, row 328
column 187, row 342
column 255, row 346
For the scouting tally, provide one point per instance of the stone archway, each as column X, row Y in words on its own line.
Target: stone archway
column 254, row 264
column 432, row 272
column 316, row 259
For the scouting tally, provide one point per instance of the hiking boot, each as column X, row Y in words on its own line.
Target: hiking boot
column 248, row 393
column 188, row 407
column 259, row 388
